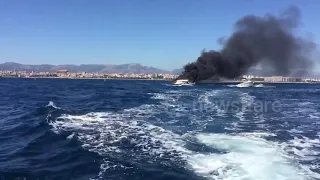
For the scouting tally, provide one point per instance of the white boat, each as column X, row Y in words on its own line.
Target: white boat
column 246, row 84
column 182, row 82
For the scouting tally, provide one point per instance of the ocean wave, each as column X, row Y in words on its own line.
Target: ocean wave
column 128, row 136
column 110, row 130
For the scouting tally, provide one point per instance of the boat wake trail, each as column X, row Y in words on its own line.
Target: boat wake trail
column 246, row 86
column 158, row 137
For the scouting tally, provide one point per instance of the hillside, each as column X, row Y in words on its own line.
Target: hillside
column 90, row 68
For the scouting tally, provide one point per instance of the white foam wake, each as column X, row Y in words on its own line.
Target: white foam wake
column 110, row 134
column 210, row 105
column 246, row 156
column 245, row 86
column 304, row 150
column 51, row 104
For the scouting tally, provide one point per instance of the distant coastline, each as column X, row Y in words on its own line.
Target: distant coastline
column 146, row 79
column 65, row 74
column 86, row 78
column 134, row 68
column 84, row 75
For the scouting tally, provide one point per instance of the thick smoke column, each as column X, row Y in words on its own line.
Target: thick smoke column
column 268, row 41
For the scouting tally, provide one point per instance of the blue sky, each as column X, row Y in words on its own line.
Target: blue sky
column 160, row 33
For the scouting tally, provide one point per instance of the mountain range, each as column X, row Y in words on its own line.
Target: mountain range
column 89, row 68
column 99, row 68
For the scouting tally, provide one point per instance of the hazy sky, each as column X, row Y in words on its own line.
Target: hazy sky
column 161, row 33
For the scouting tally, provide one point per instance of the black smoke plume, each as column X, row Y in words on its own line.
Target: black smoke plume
column 268, row 41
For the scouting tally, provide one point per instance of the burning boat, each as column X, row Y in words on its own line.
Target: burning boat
column 182, row 82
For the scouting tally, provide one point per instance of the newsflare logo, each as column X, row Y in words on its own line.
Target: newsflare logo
column 238, row 106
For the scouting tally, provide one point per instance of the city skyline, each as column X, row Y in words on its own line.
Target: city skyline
column 163, row 34
column 134, row 68
column 65, row 74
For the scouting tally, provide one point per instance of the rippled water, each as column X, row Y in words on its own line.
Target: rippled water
column 125, row 129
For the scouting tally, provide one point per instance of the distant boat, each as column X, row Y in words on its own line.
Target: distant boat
column 182, row 82
column 248, row 83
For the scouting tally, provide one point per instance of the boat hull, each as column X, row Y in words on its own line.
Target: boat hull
column 182, row 82
column 245, row 84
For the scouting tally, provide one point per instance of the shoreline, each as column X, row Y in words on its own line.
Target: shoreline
column 83, row 78
column 207, row 82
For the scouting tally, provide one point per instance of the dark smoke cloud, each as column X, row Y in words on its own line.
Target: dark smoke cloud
column 268, row 41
